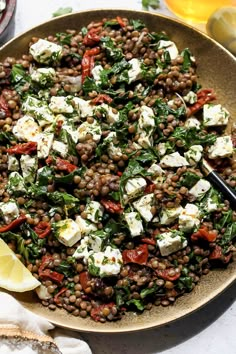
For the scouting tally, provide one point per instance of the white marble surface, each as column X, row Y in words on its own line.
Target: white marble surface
column 210, row 330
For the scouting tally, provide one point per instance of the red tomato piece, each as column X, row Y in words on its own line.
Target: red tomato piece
column 111, row 206
column 23, row 149
column 138, row 255
column 205, row 234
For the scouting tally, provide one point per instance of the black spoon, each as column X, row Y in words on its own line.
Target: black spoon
column 228, row 192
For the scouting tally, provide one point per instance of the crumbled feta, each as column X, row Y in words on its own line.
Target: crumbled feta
column 82, row 251
column 112, row 149
column 94, row 211
column 145, row 140
column 161, row 147
column 189, row 217
column 43, row 75
column 134, row 223
column 157, row 173
column 72, row 132
column 223, row 147
column 45, row 52
column 29, row 166
column 211, row 205
column 96, row 72
column 194, row 154
column 13, row 163
column 26, row 129
column 108, row 263
column 170, row 242
column 15, row 183
column 44, row 144
column 85, row 226
column 146, row 120
column 144, row 206
column 135, row 186
column 174, row 160
column 68, row 232
column 170, row 47
column 200, row 189
column 215, row 115
column 60, row 148
column 39, row 110
column 9, row 211
column 111, row 117
column 191, row 97
column 169, row 215
column 84, row 107
column 192, row 123
column 93, row 129
column 135, row 72
column 61, row 104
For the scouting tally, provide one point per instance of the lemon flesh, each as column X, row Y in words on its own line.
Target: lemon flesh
column 222, row 27
column 14, row 276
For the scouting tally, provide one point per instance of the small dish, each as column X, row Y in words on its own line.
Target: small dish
column 7, row 21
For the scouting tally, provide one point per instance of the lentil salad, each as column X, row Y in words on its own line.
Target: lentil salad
column 143, row 236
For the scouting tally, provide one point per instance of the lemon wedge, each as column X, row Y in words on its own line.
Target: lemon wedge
column 14, row 276
column 221, row 26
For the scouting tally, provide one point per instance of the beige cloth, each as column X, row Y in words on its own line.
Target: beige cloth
column 23, row 332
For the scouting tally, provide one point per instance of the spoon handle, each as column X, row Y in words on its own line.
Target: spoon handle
column 228, row 192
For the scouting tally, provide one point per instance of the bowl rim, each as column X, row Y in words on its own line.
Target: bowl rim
column 7, row 15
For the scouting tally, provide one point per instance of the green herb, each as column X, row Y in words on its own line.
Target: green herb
column 19, row 78
column 137, row 303
column 20, row 243
column 153, row 4
column 137, row 24
column 64, row 38
column 228, row 236
column 156, row 37
column 113, row 52
column 44, row 175
column 66, row 268
column 226, row 218
column 186, row 54
column 90, row 85
column 60, row 198
column 68, row 179
column 148, row 291
column 192, row 136
column 185, row 283
column 189, row 179
column 112, row 23
column 62, row 11
column 146, row 156
column 6, row 137
column 122, row 294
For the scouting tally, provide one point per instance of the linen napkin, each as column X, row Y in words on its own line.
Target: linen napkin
column 23, row 332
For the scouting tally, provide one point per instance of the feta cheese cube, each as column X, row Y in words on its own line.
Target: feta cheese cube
column 144, row 206
column 43, row 76
column 113, row 150
column 61, row 104
column 94, row 211
column 199, row 189
column 215, row 115
column 45, row 52
column 96, row 72
column 108, row 263
column 111, row 117
column 39, row 110
column 223, row 147
column 169, row 215
column 145, row 140
column 191, row 97
column 135, row 72
column 26, row 129
column 194, row 154
column 192, row 123
column 85, row 226
column 9, row 211
column 146, row 120
column 211, row 205
column 170, row 242
column 189, row 217
column 174, row 160
column 135, row 187
column 170, row 47
column 29, row 166
column 93, row 129
column 84, row 107
column 15, row 184
column 157, row 173
column 60, row 148
column 82, row 251
column 161, row 147
column 44, row 144
column 134, row 223
column 13, row 163
column 72, row 132
column 68, row 232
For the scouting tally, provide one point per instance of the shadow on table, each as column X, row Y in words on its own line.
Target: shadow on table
column 163, row 338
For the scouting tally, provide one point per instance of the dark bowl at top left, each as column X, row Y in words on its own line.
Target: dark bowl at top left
column 7, row 21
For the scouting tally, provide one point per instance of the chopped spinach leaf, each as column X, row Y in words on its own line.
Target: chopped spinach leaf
column 62, row 11
column 189, row 179
column 137, row 24
column 64, row 38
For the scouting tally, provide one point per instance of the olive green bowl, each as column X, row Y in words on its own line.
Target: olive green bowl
column 217, row 70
